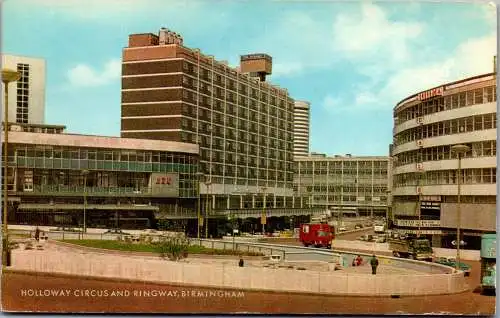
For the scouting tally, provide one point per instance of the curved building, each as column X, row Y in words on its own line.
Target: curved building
column 425, row 189
column 301, row 128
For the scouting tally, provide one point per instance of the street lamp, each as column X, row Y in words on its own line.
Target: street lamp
column 263, row 219
column 208, row 183
column 85, row 173
column 199, row 175
column 7, row 77
column 460, row 150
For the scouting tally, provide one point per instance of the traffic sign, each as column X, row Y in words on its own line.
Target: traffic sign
column 263, row 220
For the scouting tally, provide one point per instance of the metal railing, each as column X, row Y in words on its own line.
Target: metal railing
column 90, row 190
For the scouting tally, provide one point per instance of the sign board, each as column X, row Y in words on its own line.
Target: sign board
column 165, row 184
column 263, row 220
column 422, row 232
column 431, row 93
column 255, row 57
column 414, row 223
column 489, row 246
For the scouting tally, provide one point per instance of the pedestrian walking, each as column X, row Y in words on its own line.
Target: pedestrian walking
column 374, row 264
column 37, row 234
column 241, row 263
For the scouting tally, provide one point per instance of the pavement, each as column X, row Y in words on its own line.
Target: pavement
column 309, row 260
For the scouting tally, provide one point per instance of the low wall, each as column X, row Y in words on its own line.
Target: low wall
column 229, row 276
column 470, row 255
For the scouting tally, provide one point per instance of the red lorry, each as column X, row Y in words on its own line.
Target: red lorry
column 316, row 234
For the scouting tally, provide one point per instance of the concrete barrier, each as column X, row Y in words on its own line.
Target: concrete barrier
column 250, row 278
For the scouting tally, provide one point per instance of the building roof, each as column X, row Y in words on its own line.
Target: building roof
column 459, row 83
column 88, row 141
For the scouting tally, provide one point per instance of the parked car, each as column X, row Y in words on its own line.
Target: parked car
column 451, row 261
column 358, row 226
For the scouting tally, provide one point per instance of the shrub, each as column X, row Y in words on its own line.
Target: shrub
column 173, row 247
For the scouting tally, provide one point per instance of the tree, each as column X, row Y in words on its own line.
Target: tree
column 173, row 247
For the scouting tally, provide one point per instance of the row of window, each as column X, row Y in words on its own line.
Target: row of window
column 480, row 199
column 238, row 120
column 241, row 143
column 213, row 91
column 338, row 173
column 233, row 107
column 486, row 148
column 338, row 165
column 22, row 93
column 448, row 127
column 375, row 188
column 444, row 177
column 335, row 199
column 100, row 154
column 243, row 157
column 463, row 99
column 251, row 88
column 231, row 131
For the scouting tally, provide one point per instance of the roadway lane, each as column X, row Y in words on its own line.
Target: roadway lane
column 180, row 299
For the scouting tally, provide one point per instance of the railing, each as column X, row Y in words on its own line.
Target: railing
column 90, row 190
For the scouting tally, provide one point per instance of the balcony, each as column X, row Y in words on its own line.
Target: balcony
column 63, row 190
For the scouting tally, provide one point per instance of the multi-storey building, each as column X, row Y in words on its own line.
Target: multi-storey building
column 426, row 126
column 242, row 124
column 344, row 184
column 301, row 117
column 53, row 177
column 28, row 93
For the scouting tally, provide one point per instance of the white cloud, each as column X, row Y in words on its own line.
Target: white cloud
column 371, row 33
column 83, row 75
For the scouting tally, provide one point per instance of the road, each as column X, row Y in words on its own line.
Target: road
column 182, row 300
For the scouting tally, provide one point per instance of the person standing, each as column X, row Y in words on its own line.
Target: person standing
column 374, row 264
column 37, row 234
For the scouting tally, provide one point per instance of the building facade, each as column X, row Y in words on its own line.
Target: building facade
column 425, row 172
column 301, row 120
column 53, row 177
column 242, row 124
column 345, row 185
column 27, row 94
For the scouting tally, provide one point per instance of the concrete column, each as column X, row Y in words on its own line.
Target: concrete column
column 253, row 201
column 228, row 202
column 241, row 202
column 436, row 240
column 274, row 201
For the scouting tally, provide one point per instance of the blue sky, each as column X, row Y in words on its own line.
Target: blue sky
column 352, row 60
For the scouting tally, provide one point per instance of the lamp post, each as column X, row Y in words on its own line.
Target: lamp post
column 208, row 183
column 460, row 150
column 389, row 206
column 263, row 220
column 7, row 77
column 199, row 175
column 85, row 173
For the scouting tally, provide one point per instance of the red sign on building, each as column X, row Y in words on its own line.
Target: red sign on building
column 431, row 93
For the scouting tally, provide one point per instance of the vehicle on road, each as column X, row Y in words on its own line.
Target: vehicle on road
column 366, row 238
column 379, row 227
column 452, row 262
column 488, row 263
column 358, row 226
column 316, row 234
column 410, row 247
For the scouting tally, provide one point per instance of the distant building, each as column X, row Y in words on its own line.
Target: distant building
column 344, row 184
column 427, row 125
column 27, row 94
column 301, row 120
column 128, row 183
column 243, row 124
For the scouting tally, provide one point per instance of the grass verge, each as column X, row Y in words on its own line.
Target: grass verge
column 151, row 248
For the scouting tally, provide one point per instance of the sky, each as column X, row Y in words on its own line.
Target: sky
column 352, row 60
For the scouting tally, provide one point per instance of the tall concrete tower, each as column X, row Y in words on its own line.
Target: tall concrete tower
column 301, row 128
